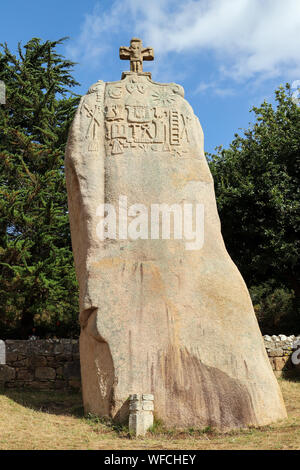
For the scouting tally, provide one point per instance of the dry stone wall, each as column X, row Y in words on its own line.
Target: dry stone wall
column 41, row 364
column 280, row 350
column 54, row 364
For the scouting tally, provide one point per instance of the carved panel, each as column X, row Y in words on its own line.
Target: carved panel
column 92, row 134
column 145, row 119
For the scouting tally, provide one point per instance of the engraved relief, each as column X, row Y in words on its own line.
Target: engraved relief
column 144, row 123
column 92, row 133
column 184, row 133
column 116, row 147
column 178, row 90
column 98, row 88
column 138, row 113
column 118, row 131
column 115, row 91
column 135, row 85
column 174, row 127
column 160, row 131
column 114, row 112
column 163, row 97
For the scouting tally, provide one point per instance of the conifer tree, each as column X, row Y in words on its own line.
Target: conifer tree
column 38, row 289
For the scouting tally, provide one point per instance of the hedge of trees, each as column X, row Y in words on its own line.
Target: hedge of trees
column 257, row 189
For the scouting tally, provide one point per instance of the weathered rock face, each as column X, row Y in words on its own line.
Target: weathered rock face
column 155, row 316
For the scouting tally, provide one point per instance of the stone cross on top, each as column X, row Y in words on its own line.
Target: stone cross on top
column 136, row 54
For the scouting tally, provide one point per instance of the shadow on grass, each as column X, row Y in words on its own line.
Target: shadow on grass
column 53, row 402
column 64, row 403
column 291, row 375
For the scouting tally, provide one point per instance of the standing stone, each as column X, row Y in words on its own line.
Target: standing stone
column 158, row 317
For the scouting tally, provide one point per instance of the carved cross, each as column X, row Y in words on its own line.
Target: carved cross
column 136, row 54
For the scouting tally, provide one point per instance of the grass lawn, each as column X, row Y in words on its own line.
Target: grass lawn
column 54, row 420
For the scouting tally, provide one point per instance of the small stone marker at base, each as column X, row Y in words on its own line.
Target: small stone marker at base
column 2, row 352
column 140, row 413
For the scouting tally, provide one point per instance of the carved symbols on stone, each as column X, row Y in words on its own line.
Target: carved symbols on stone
column 184, row 133
column 115, row 92
column 140, row 124
column 174, row 127
column 138, row 112
column 114, row 112
column 130, row 123
column 163, row 98
column 135, row 85
column 94, row 125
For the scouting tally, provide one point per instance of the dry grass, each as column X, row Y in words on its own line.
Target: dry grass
column 40, row 420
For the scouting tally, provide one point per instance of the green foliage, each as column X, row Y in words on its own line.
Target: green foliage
column 196, row 431
column 274, row 308
column 106, row 424
column 158, row 426
column 37, row 279
column 257, row 190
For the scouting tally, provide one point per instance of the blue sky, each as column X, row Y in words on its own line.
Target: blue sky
column 227, row 54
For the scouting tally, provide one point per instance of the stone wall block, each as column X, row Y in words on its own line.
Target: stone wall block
column 11, row 357
column 276, row 352
column 18, row 346
column 38, row 361
column 45, row 373
column 40, row 385
column 22, row 363
column 71, row 370
column 58, row 349
column 24, row 374
column 7, row 373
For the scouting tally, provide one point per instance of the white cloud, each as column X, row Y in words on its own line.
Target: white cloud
column 216, row 89
column 92, row 43
column 256, row 37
